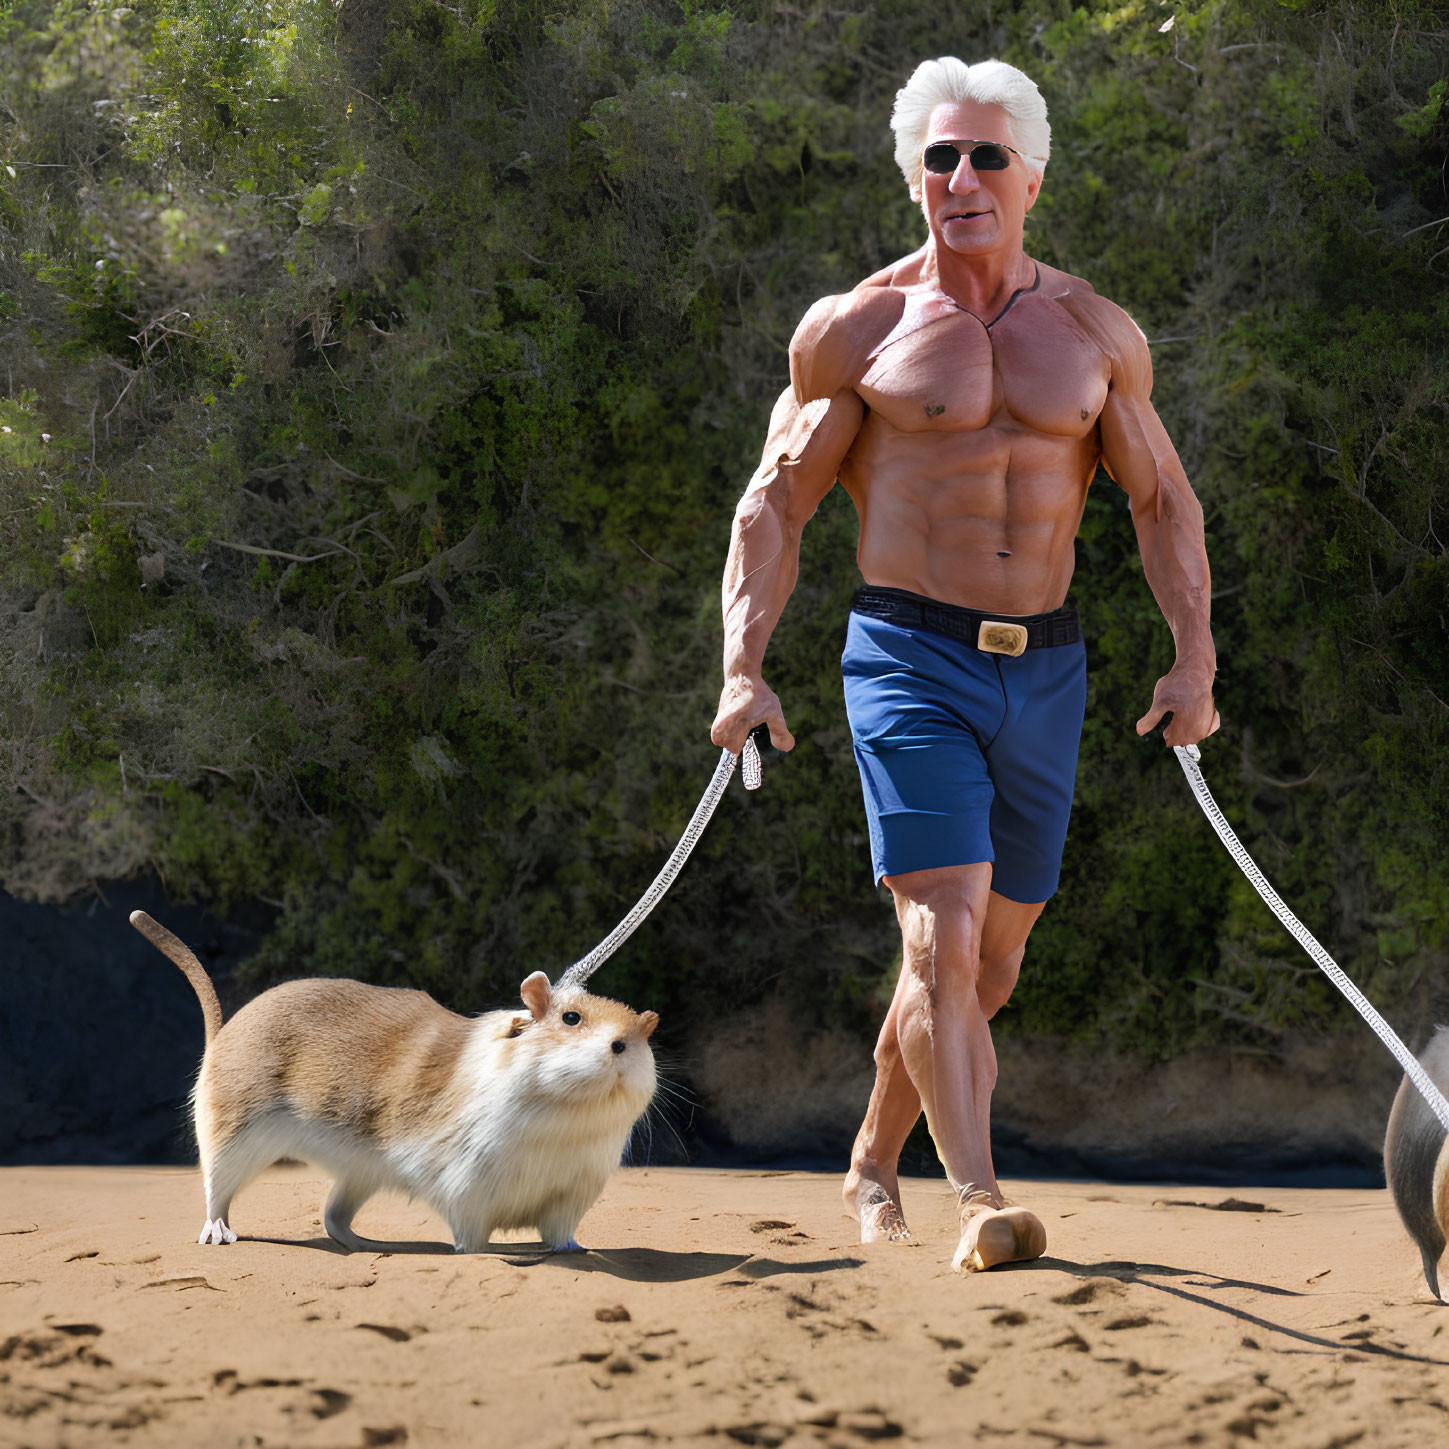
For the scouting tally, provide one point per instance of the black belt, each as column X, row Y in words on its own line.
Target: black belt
column 1010, row 634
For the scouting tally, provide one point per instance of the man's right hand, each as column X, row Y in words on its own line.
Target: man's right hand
column 745, row 702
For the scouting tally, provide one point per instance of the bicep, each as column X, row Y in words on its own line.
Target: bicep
column 830, row 348
column 1136, row 450
column 816, row 353
column 806, row 445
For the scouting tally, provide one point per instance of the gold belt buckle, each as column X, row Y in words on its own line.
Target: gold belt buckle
column 998, row 637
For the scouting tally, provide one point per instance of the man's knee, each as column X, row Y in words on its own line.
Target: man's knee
column 950, row 893
column 996, row 980
column 941, row 915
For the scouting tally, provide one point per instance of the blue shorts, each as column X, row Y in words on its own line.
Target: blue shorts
column 964, row 756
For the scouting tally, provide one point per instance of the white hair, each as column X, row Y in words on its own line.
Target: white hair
column 948, row 81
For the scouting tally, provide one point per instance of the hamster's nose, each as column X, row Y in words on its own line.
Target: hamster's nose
column 619, row 1046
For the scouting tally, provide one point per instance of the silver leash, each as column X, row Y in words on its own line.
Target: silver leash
column 1188, row 757
column 750, row 772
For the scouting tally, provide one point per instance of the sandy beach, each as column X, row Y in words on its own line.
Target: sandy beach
column 712, row 1308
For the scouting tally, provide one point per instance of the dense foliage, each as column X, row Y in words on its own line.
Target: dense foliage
column 379, row 380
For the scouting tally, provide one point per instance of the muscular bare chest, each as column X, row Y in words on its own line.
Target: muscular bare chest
column 942, row 369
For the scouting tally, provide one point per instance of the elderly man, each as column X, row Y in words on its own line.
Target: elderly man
column 964, row 397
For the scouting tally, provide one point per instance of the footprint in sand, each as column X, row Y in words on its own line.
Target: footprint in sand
column 768, row 1436
column 43, row 1370
column 229, row 1380
column 628, row 1358
column 334, row 1401
column 1091, row 1290
column 55, row 1346
column 180, row 1285
column 870, row 1424
column 867, row 1424
column 787, row 1238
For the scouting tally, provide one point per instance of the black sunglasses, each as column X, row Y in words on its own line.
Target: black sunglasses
column 941, row 158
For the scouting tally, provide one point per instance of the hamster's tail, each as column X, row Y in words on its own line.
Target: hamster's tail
column 1416, row 1161
column 177, row 949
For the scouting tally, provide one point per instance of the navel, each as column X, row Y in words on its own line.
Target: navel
column 1003, row 553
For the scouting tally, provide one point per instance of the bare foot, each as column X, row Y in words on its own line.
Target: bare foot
column 877, row 1208
column 993, row 1233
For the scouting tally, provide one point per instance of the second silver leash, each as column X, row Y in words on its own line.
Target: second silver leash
column 1188, row 757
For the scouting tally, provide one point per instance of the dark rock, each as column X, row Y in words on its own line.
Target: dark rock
column 100, row 1035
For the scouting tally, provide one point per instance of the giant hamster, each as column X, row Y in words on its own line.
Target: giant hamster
column 508, row 1120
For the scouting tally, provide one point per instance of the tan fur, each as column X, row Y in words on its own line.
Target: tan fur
column 270, row 1053
column 505, row 1120
column 1441, row 1188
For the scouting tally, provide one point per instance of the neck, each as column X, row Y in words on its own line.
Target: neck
column 982, row 283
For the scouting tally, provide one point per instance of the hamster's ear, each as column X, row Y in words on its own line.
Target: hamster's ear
column 648, row 1020
column 537, row 994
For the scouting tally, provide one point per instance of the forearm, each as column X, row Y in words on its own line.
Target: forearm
column 798, row 467
column 1168, row 518
column 1174, row 561
column 760, row 574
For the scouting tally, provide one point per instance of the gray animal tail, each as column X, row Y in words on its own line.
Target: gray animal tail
column 1431, row 1271
column 177, row 949
column 1413, row 1147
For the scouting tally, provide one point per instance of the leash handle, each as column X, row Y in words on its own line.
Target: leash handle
column 1188, row 756
column 750, row 771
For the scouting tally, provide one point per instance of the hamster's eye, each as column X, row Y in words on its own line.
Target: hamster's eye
column 571, row 1018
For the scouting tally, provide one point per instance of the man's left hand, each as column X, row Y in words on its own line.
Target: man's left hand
column 1189, row 702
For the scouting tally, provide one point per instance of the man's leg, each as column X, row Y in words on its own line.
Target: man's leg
column 872, row 1191
column 962, row 947
column 990, row 1232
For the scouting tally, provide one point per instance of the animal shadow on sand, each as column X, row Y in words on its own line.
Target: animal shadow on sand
column 1149, row 1274
column 364, row 1245
column 635, row 1265
column 656, row 1265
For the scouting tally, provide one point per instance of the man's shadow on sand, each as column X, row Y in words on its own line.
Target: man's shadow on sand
column 633, row 1265
column 1147, row 1274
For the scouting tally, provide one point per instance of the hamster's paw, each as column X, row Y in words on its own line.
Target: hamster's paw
column 216, row 1231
